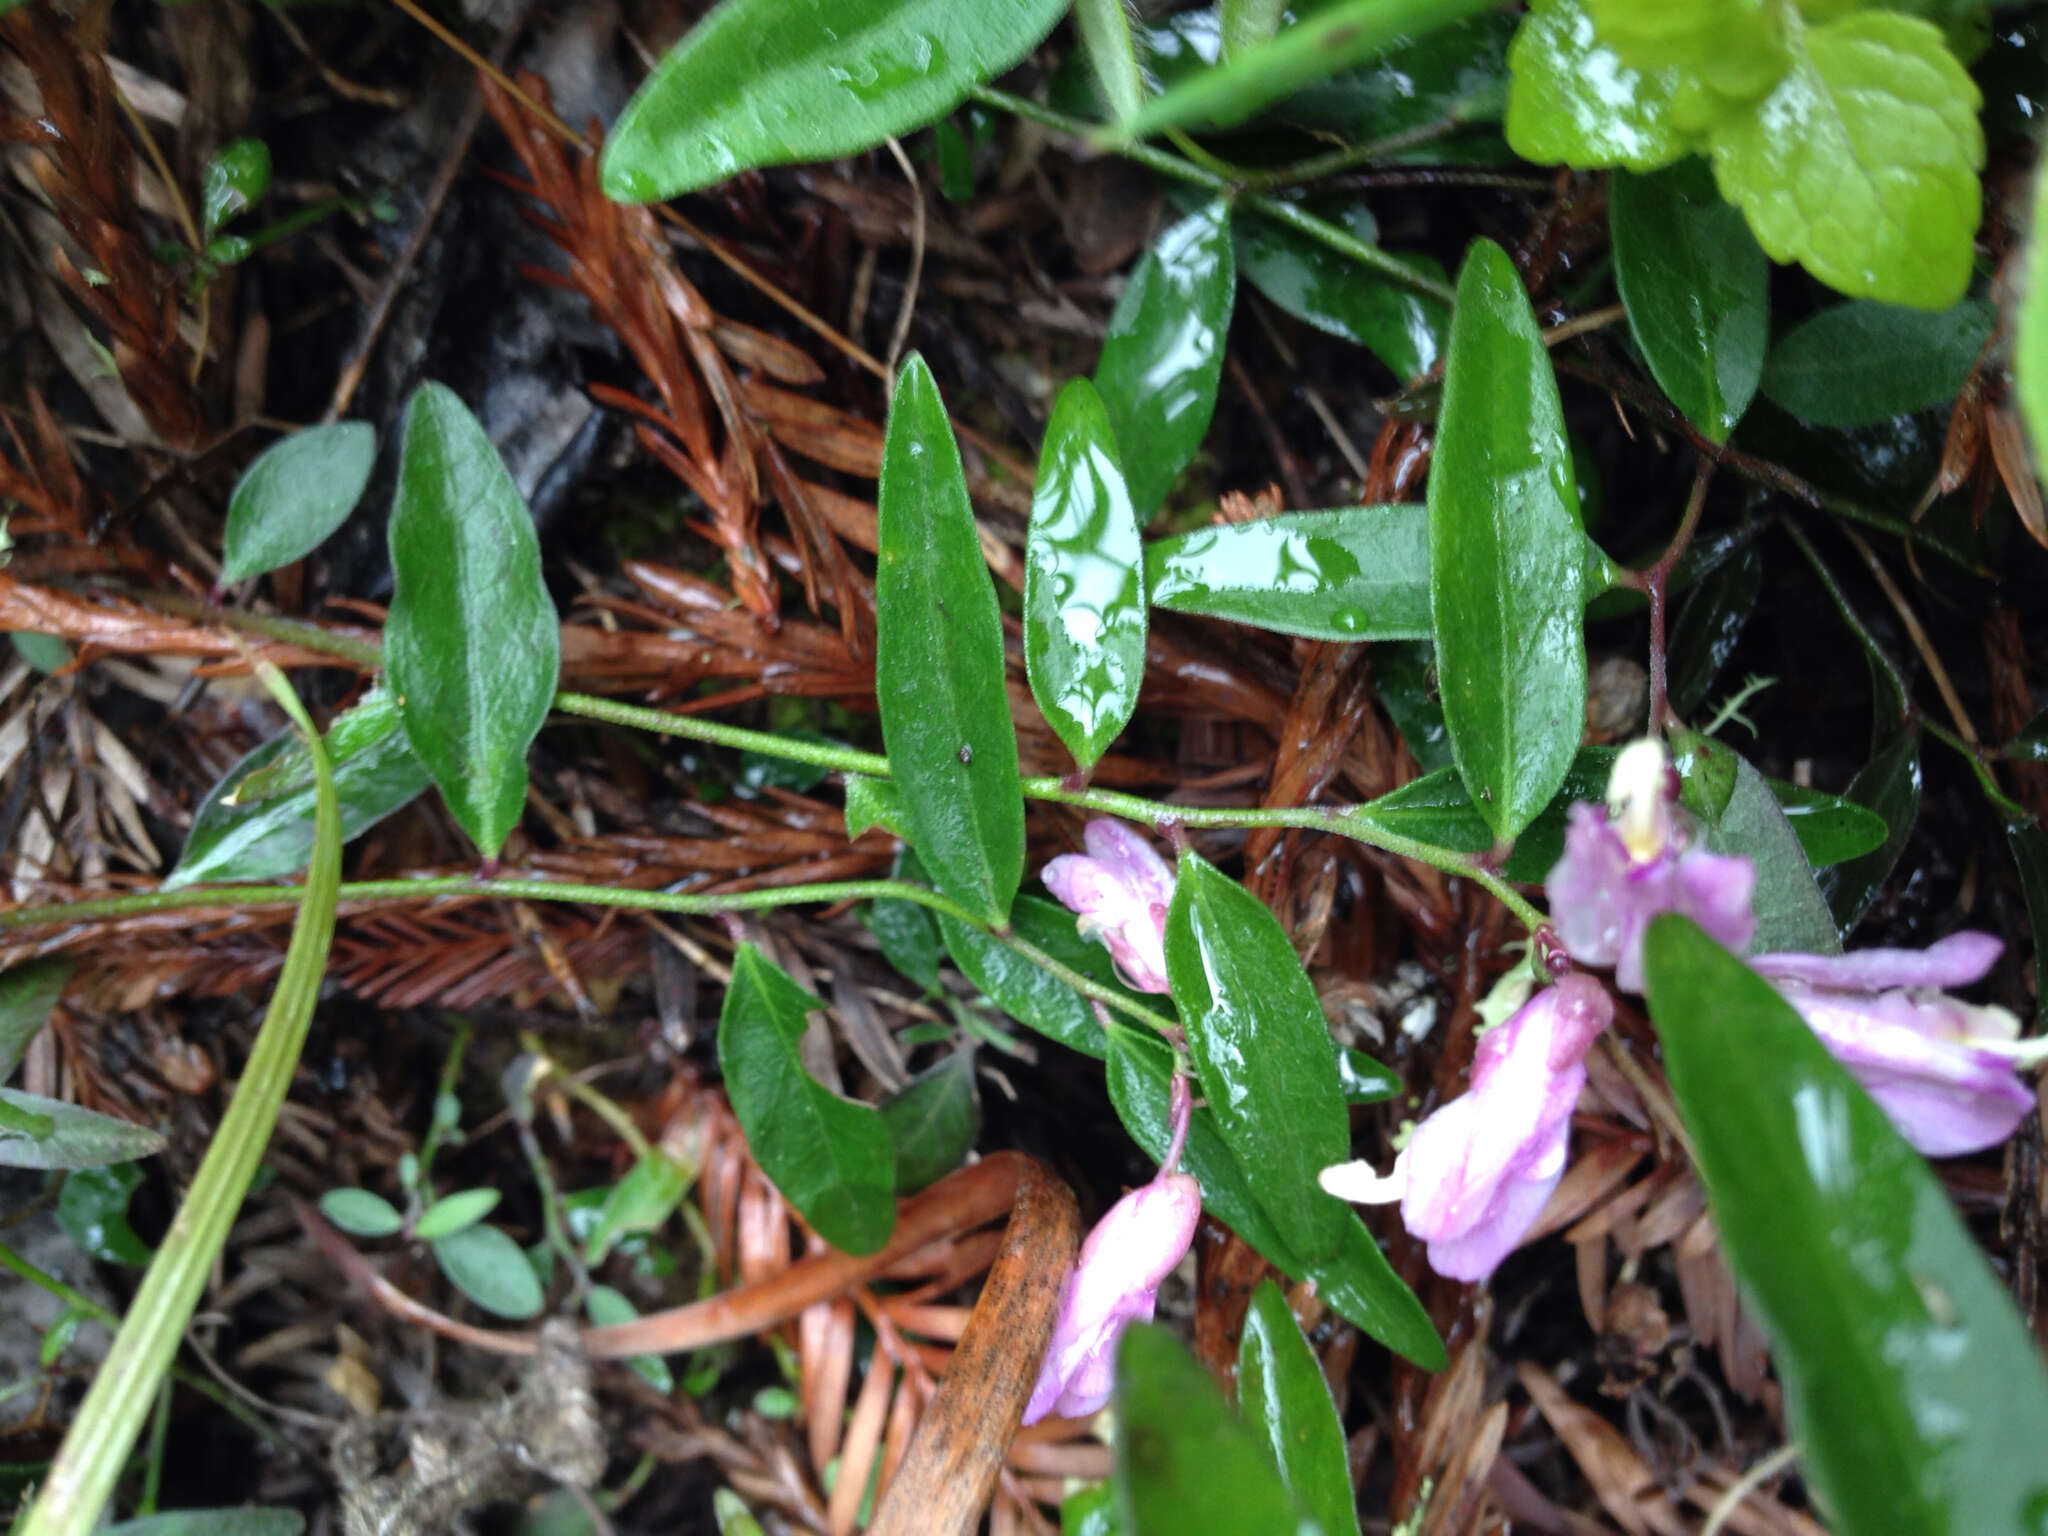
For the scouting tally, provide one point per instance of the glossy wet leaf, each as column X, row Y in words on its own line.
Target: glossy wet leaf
column 1027, row 994
column 767, row 82
column 1710, row 623
column 491, row 1270
column 446, row 1217
column 1830, row 829
column 1286, row 1402
column 1261, row 1049
column 1090, row 1512
column 933, row 1120
column 2030, row 326
column 1506, row 554
column 1697, row 287
column 1915, row 1391
column 642, row 1201
column 1861, row 163
column 1163, row 356
column 1791, row 913
column 1861, row 363
column 27, row 994
column 92, row 1208
column 1084, row 581
column 1402, row 328
column 1438, row 809
column 361, row 1213
column 830, row 1157
column 239, row 1521
column 1358, row 573
column 1707, row 771
column 1184, row 1461
column 1574, row 102
column 1405, row 673
column 1364, row 1080
column 298, row 491
column 74, row 1137
column 472, row 645
column 939, row 662
column 1456, row 74
column 257, row 822
column 234, row 176
column 1335, row 37
column 1357, row 1283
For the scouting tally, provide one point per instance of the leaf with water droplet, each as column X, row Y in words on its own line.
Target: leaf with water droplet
column 1283, row 1396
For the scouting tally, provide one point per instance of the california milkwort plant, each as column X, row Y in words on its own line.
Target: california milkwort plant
column 1363, row 866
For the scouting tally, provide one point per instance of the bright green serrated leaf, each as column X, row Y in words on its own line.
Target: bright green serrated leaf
column 298, row 491
column 1574, row 102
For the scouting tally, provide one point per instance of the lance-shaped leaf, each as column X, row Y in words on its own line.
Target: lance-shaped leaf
column 1283, row 1396
column 1830, row 829
column 762, row 82
column 1862, row 363
column 1913, row 1387
column 1791, row 913
column 933, row 1120
column 297, row 492
column 1358, row 573
column 36, row 1132
column 1163, row 356
column 27, row 994
column 1084, row 586
column 939, row 661
column 1402, row 328
column 831, row 1157
column 1507, row 558
column 472, row 646
column 1032, row 996
column 1262, row 1050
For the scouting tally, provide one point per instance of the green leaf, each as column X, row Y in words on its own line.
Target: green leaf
column 46, row 653
column 1084, row 594
column 1574, row 102
column 1438, row 809
column 234, row 176
column 75, row 1138
column 1830, row 829
column 1262, row 1050
column 1282, row 1394
column 642, row 1201
column 874, row 803
column 1506, row 555
column 1914, row 1390
column 1861, row 165
column 491, row 1270
column 1364, row 1080
column 933, row 1120
column 257, row 822
column 1405, row 673
column 909, row 938
column 831, row 1157
column 298, row 491
column 757, row 82
column 461, row 1210
column 1710, row 624
column 472, row 646
column 1164, row 353
column 1456, row 74
column 1027, row 994
column 1727, row 52
column 1863, row 362
column 1184, row 1461
column 361, row 1213
column 2030, row 326
column 939, row 661
column 1357, row 1284
column 27, row 994
column 1791, row 913
column 2029, row 845
column 1402, row 328
column 1335, row 37
column 1090, row 1512
column 213, row 1522
column 734, row 1518
column 1697, row 287
column 606, row 1307
column 1707, row 772
column 92, row 1208
column 1105, row 29
column 1359, row 573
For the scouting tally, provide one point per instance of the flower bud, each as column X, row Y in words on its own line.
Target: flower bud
column 1121, row 888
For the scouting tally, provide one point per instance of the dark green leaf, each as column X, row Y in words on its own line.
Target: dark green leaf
column 1402, row 328
column 46, row 653
column 1710, row 623
column 939, row 662
column 78, row 1138
column 607, row 1307
column 642, row 1201
column 1707, row 771
column 491, row 1270
column 1889, row 785
column 1023, row 991
column 1830, row 829
column 298, row 491
column 234, row 176
column 360, row 1213
column 1091, row 1512
column 92, row 1208
column 1865, row 362
column 933, row 1120
column 1282, row 1394
column 1358, row 1284
column 1437, row 809
column 1361, row 573
column 1405, row 673
column 257, row 822
column 830, row 1157
column 1506, row 555
column 1697, row 287
column 1456, row 74
column 2029, row 845
column 213, row 1522
column 2031, row 745
column 1184, row 1461
column 1364, row 1080
column 1790, row 911
column 758, row 82
column 1084, row 592
column 471, row 646
column 1261, row 1049
column 464, row 1208
column 1914, row 1389
column 1164, row 353
column 27, row 994
column 1105, row 28
column 909, row 938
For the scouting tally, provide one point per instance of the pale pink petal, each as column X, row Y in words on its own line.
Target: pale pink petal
column 1133, row 858
column 1956, row 961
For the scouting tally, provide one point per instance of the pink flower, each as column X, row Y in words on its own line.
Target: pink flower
column 1115, row 1281
column 1624, row 864
column 1121, row 888
column 1476, row 1174
column 1945, row 1071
